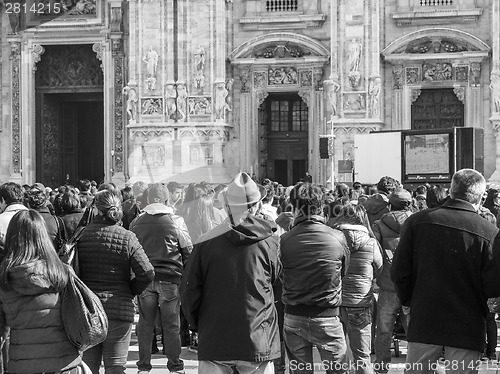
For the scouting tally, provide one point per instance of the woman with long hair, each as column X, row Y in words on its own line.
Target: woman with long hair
column 71, row 210
column 31, row 278
column 108, row 254
column 357, row 285
column 200, row 217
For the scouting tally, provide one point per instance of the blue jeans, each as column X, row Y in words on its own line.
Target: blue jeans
column 357, row 324
column 166, row 296
column 389, row 307
column 326, row 333
column 242, row 367
column 113, row 351
column 422, row 358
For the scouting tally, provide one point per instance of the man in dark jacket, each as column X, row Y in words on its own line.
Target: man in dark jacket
column 445, row 267
column 314, row 258
column 168, row 246
column 387, row 230
column 227, row 290
column 378, row 204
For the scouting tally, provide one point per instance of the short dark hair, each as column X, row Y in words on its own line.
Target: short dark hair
column 11, row 192
column 172, row 186
column 70, row 201
column 269, row 193
column 84, row 185
column 307, row 198
column 387, row 184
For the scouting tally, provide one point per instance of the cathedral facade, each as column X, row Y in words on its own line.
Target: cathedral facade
column 196, row 90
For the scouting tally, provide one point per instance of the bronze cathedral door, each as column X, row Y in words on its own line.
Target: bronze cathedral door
column 437, row 108
column 70, row 116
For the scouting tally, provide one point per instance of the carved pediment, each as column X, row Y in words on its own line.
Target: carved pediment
column 434, row 45
column 275, row 50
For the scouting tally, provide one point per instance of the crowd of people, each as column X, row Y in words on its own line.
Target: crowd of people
column 252, row 275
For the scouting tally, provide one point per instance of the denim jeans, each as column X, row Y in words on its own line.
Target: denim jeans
column 242, row 367
column 166, row 296
column 388, row 308
column 357, row 324
column 326, row 333
column 113, row 351
column 422, row 359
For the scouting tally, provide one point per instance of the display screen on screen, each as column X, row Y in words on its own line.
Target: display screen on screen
column 427, row 153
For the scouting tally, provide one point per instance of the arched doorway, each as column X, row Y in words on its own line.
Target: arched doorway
column 286, row 125
column 437, row 108
column 69, row 115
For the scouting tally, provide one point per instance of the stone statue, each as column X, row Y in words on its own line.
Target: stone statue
column 151, row 60
column 132, row 100
column 374, row 94
column 495, row 90
column 221, row 105
column 199, row 59
column 181, row 100
column 332, row 89
column 354, row 55
column 171, row 98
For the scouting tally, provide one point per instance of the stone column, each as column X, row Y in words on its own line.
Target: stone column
column 15, row 69
column 117, row 148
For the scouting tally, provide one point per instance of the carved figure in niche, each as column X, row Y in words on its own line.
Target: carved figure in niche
column 171, row 97
column 199, row 82
column 397, row 72
column 79, row 7
column 290, row 76
column 199, row 59
column 429, row 72
column 354, row 55
column 443, row 71
column 495, row 90
column 332, row 87
column 181, row 100
column 475, row 73
column 131, row 105
column 229, row 87
column 220, row 100
column 151, row 106
column 151, row 60
column 374, row 94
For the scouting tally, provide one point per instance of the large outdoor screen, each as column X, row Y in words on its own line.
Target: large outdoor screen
column 427, row 153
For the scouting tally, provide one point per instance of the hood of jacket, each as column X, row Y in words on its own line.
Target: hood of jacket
column 375, row 203
column 356, row 235
column 395, row 219
column 251, row 229
column 30, row 278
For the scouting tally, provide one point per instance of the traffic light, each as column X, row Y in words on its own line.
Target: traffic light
column 323, row 148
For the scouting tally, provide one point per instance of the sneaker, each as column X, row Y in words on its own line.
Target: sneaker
column 143, row 372
column 178, row 372
column 193, row 348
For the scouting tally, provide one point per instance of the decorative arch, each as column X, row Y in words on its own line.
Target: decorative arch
column 309, row 45
column 466, row 42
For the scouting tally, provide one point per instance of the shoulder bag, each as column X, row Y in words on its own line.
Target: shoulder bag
column 82, row 313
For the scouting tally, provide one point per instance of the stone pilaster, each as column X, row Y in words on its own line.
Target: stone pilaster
column 118, row 123
column 15, row 68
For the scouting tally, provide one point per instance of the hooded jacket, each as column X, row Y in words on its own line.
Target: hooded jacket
column 32, row 310
column 227, row 294
column 165, row 239
column 365, row 263
column 314, row 257
column 376, row 206
column 387, row 230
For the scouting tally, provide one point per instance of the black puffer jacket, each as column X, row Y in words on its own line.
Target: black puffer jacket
column 227, row 292
column 314, row 258
column 32, row 310
column 107, row 253
column 387, row 230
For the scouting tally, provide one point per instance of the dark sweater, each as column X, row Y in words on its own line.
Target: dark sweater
column 107, row 253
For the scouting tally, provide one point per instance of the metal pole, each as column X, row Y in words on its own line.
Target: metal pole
column 333, row 156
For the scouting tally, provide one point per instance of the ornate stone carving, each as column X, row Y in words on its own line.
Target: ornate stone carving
column 282, row 76
column 199, row 106
column 150, row 58
column 495, row 92
column 353, row 55
column 355, row 129
column 37, row 53
column 355, row 102
column 412, row 75
column 318, row 78
column 98, row 49
column 199, row 68
column 79, row 7
column 460, row 93
column 415, row 94
column 374, row 95
column 171, row 101
column 167, row 134
column 115, row 21
column 131, row 106
column 397, row 73
column 69, row 66
column 221, row 105
column 354, row 78
column 305, row 78
column 153, row 155
column 441, row 71
column 259, row 79
column 152, row 106
column 118, row 109
column 261, row 96
column 305, row 95
column 15, row 58
column 462, row 73
column 50, row 134
column 436, row 45
column 244, row 76
column 475, row 73
column 332, row 88
column 204, row 134
column 181, row 101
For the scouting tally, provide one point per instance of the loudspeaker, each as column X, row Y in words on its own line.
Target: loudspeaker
column 469, row 148
column 323, row 148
